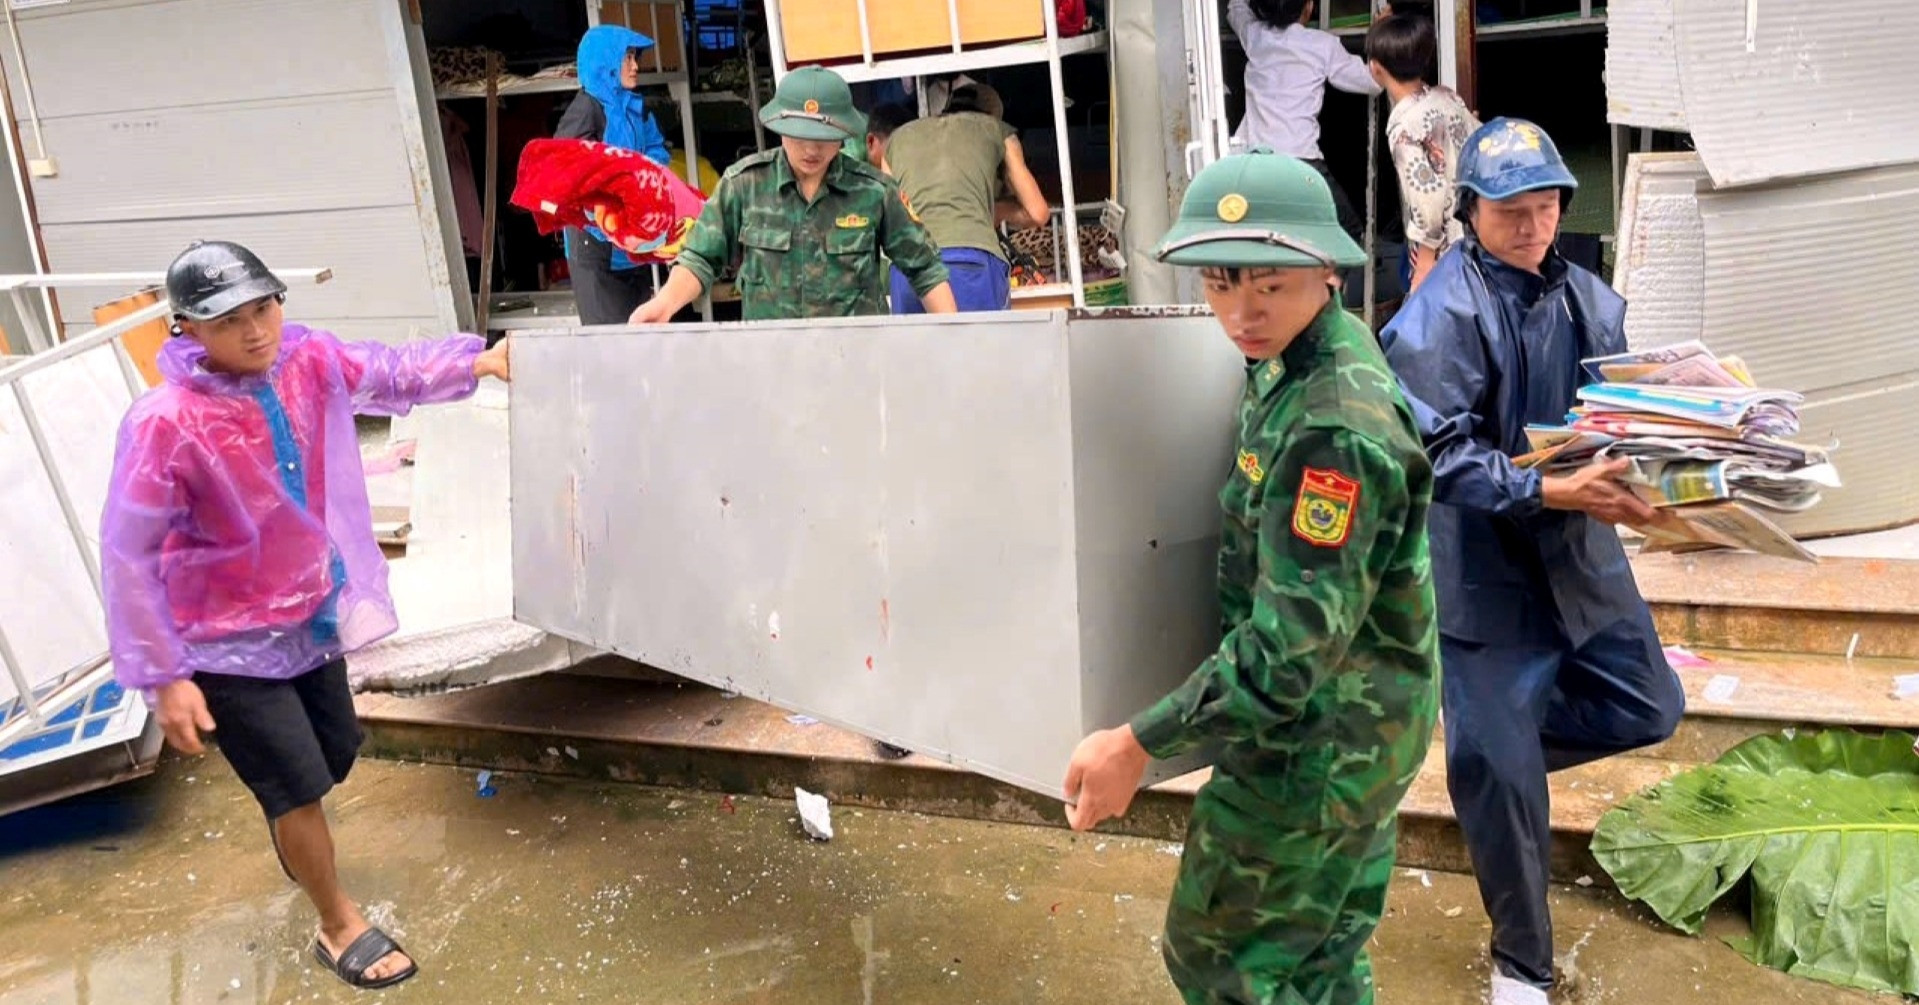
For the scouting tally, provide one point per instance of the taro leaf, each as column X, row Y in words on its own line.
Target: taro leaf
column 1828, row 825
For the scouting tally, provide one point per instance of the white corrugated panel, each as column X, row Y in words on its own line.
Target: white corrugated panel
column 1642, row 66
column 1787, row 88
column 1873, row 427
column 1661, row 264
column 292, row 127
column 1816, row 282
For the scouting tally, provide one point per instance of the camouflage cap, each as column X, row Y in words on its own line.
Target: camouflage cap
column 813, row 103
column 1258, row 210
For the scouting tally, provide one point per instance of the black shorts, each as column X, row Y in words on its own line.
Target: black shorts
column 290, row 741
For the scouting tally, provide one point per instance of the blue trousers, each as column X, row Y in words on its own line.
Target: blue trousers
column 1515, row 712
column 980, row 281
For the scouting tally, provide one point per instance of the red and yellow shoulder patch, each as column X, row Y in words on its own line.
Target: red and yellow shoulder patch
column 1323, row 513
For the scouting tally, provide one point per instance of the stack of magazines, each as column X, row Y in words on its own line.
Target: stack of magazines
column 1710, row 450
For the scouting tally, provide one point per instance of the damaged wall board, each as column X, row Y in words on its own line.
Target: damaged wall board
column 1769, row 89
column 978, row 537
column 1642, row 65
column 1811, row 283
column 1661, row 263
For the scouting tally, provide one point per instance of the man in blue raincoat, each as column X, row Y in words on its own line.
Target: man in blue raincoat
column 1549, row 655
column 607, row 284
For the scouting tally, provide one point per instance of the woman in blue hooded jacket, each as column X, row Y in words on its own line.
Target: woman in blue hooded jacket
column 607, row 285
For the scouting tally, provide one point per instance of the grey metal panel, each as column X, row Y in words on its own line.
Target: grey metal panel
column 335, row 166
column 768, row 507
column 379, row 268
column 1642, row 65
column 1806, row 95
column 1153, row 419
column 93, row 57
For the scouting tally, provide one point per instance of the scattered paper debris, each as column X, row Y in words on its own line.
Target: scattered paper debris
column 727, row 695
column 234, row 984
column 1789, row 732
column 573, row 753
column 802, row 720
column 1425, row 878
column 1906, row 686
column 486, row 789
column 1175, row 850
column 1100, row 847
column 1583, row 881
column 512, row 832
column 552, row 751
column 1852, row 647
column 815, row 815
column 1682, row 658
column 1121, row 898
column 1720, row 688
column 1454, row 912
column 1012, row 895
column 676, row 804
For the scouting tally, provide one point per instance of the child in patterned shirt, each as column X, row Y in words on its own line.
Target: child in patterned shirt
column 1427, row 127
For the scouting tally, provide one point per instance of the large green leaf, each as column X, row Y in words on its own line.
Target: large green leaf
column 1827, row 824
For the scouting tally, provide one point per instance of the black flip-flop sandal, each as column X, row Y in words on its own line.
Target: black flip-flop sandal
column 371, row 947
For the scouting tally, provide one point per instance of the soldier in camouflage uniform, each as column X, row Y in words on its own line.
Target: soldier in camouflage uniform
column 1322, row 696
column 805, row 224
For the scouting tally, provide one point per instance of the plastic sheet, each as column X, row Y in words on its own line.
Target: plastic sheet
column 237, row 537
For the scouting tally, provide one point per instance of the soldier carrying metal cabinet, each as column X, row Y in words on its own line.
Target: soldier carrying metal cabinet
column 1322, row 694
column 805, row 223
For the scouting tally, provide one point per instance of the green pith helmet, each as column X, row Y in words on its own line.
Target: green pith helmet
column 813, row 103
column 1258, row 210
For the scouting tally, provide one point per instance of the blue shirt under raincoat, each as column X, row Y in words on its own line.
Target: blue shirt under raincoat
column 628, row 124
column 1481, row 350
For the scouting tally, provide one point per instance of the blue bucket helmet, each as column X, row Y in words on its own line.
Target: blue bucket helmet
column 1506, row 157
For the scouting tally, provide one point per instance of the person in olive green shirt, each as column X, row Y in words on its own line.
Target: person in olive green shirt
column 1321, row 698
column 805, row 223
column 950, row 168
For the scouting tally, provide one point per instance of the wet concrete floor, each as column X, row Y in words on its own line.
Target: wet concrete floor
column 165, row 890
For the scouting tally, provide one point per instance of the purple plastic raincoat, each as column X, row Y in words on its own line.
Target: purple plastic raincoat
column 237, row 537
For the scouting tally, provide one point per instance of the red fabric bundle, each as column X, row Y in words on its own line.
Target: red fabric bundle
column 580, row 183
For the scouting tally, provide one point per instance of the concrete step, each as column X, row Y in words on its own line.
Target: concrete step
column 1773, row 691
column 1841, row 606
column 690, row 736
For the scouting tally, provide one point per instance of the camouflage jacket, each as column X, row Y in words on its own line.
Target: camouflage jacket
column 817, row 260
column 1324, row 690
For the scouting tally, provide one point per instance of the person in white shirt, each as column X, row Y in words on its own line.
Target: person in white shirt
column 1427, row 127
column 1288, row 68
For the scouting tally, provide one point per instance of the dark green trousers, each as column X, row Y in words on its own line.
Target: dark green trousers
column 1268, row 913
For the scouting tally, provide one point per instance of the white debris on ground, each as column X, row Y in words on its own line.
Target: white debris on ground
column 815, row 815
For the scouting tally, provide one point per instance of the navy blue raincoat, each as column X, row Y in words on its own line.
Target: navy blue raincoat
column 1481, row 350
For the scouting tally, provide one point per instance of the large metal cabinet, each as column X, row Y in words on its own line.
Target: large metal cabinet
column 977, row 537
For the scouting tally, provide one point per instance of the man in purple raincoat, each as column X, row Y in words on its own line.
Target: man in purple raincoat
column 238, row 556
